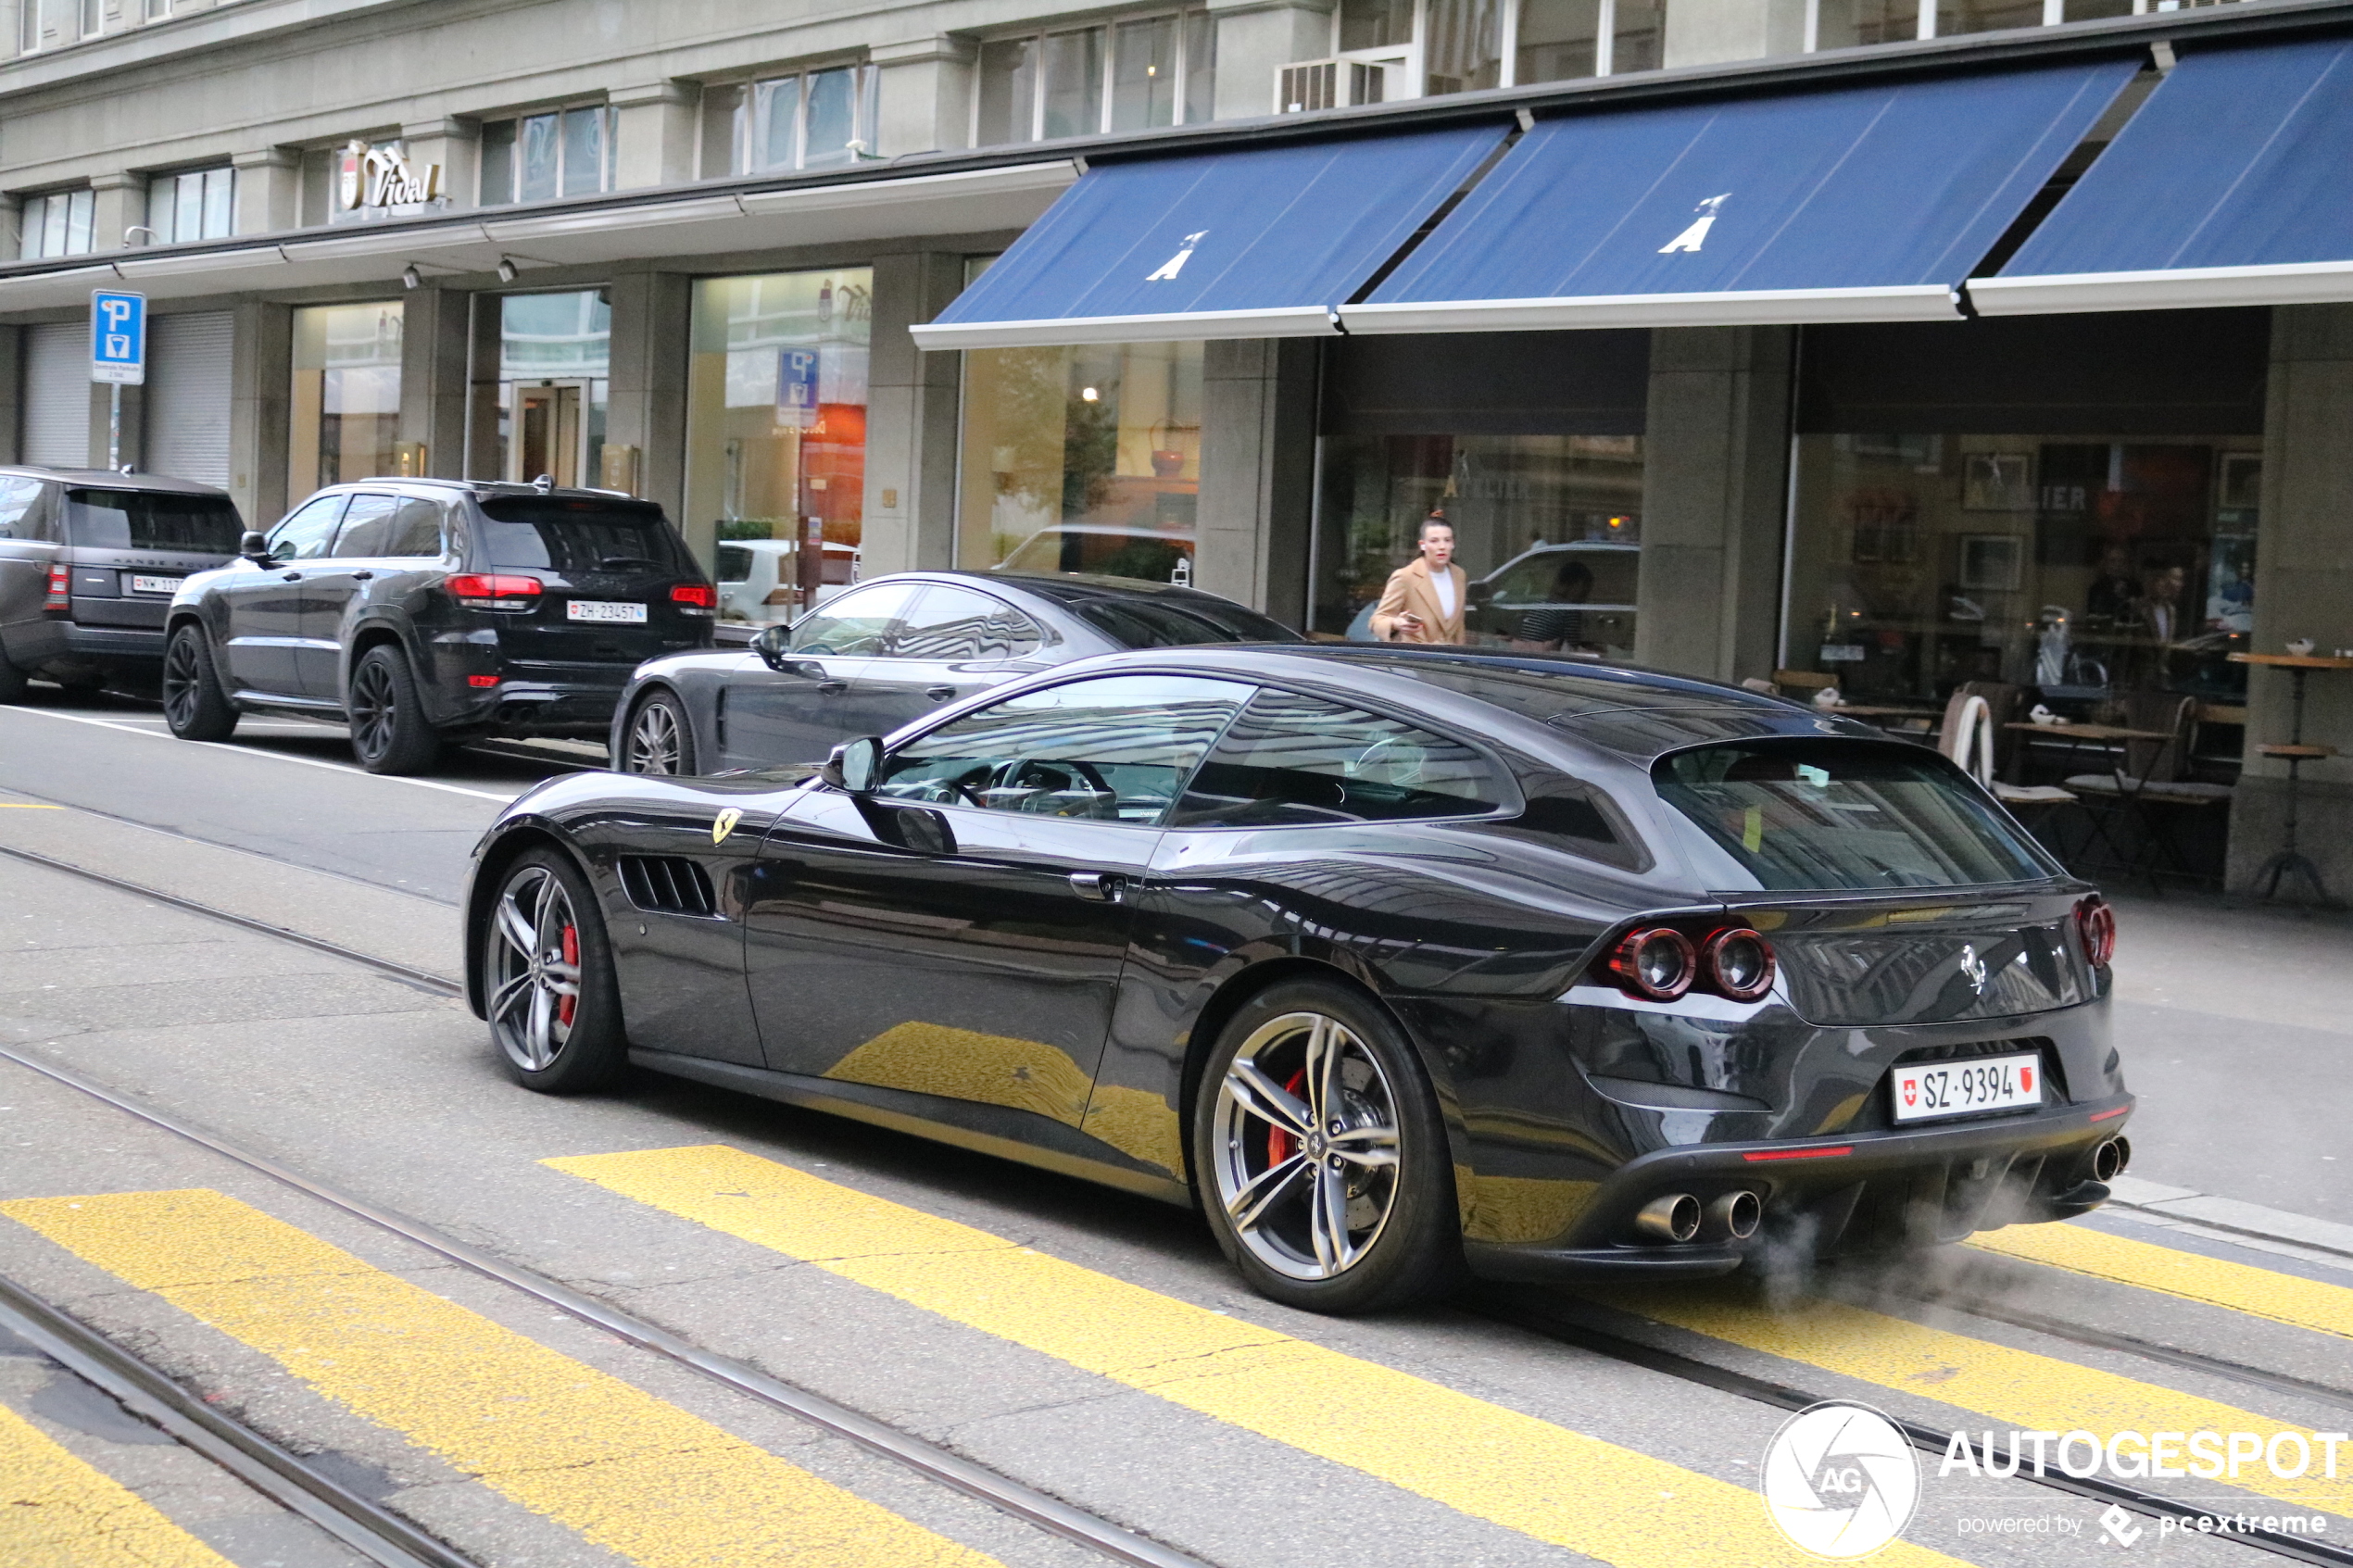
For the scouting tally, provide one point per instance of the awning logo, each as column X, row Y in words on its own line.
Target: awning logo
column 1691, row 239
column 1176, row 264
column 1841, row 1480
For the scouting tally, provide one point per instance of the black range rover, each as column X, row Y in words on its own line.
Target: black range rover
column 426, row 610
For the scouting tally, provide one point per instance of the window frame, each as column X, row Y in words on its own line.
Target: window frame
column 166, row 186
column 512, row 151
column 1179, row 90
column 80, row 204
column 867, row 117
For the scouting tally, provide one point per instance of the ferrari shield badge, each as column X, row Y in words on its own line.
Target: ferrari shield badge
column 724, row 824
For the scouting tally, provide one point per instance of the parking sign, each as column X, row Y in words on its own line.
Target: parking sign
column 119, row 338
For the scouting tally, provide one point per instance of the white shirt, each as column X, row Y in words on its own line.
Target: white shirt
column 1441, row 582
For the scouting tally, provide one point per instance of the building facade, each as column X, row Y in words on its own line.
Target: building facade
column 679, row 250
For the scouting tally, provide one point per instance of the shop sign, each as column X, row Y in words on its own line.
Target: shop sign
column 381, row 180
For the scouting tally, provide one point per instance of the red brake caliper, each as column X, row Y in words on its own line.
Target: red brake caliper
column 1279, row 1144
column 565, row 1005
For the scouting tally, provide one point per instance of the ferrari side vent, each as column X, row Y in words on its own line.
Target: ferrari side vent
column 668, row 884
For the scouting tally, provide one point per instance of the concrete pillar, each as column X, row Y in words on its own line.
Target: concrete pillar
column 924, row 96
column 269, row 190
column 260, row 410
column 1255, row 38
column 654, row 139
column 455, row 144
column 1257, row 472
column 1704, row 33
column 120, row 201
column 911, row 415
column 2303, row 588
column 433, row 376
column 482, row 389
column 1714, row 498
column 647, row 391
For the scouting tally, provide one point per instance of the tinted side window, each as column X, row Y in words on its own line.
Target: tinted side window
column 958, row 624
column 735, row 564
column 1292, row 761
column 306, row 534
column 367, row 526
column 566, row 534
column 1115, row 749
column 18, row 499
column 416, row 530
column 152, row 519
column 854, row 624
column 1174, row 623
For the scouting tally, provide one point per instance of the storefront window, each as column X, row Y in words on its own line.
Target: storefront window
column 347, row 394
column 1082, row 459
column 554, row 358
column 776, row 432
column 2087, row 570
column 1548, row 528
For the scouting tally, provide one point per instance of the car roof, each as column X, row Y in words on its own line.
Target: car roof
column 482, row 487
column 1078, row 587
column 114, row 479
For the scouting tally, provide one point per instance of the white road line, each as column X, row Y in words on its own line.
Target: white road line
column 272, row 756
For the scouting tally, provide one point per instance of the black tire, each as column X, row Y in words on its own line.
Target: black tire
column 389, row 730
column 194, row 705
column 14, row 682
column 543, row 922
column 658, row 739
column 1399, row 1235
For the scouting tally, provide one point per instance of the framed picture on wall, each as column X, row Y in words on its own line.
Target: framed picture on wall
column 1992, row 562
column 2242, row 487
column 1996, row 482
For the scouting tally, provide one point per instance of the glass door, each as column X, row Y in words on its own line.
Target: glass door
column 550, row 437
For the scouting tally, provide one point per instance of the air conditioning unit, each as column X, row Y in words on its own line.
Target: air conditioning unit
column 1328, row 85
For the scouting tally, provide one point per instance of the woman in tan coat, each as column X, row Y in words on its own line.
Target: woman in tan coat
column 1425, row 599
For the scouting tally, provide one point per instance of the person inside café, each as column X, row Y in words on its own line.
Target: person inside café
column 1425, row 599
column 2113, row 591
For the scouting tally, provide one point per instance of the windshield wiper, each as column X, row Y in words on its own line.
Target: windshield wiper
column 611, row 561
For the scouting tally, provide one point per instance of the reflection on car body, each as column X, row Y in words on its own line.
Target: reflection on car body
column 1397, row 959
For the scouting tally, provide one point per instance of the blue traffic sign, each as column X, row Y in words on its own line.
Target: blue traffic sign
column 118, row 337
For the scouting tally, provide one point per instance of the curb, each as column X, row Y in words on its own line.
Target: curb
column 2323, row 1241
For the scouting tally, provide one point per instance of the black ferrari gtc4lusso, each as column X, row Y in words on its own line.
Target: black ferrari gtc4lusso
column 1394, row 960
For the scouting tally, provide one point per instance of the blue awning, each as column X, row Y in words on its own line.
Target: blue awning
column 2228, row 187
column 1866, row 203
column 1259, row 242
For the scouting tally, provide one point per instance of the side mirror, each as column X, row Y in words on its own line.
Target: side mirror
column 770, row 643
column 855, row 765
column 255, row 548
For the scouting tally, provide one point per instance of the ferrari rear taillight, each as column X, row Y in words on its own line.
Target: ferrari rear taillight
column 1656, row 962
column 2095, row 927
column 60, row 600
column 1739, row 963
column 478, row 590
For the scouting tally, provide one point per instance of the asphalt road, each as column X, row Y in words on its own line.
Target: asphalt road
column 1080, row 1341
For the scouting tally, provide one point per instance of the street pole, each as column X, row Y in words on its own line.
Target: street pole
column 114, row 427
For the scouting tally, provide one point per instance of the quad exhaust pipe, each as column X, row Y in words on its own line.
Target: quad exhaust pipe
column 1674, row 1217
column 2110, row 1159
column 1735, row 1214
column 1678, row 1217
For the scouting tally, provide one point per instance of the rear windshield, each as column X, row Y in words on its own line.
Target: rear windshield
column 1174, row 623
column 1845, row 814
column 578, row 535
column 152, row 519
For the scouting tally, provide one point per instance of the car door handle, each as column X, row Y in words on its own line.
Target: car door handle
column 1103, row 887
column 291, row 576
column 940, row 694
column 830, row 687
column 362, row 576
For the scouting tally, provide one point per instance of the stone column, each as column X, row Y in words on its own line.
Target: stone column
column 2303, row 588
column 912, row 413
column 482, row 389
column 1257, row 472
column 654, row 139
column 648, row 392
column 1254, row 39
column 456, row 144
column 1715, row 500
column 11, row 393
column 260, row 409
column 434, row 341
column 923, row 99
column 120, row 201
column 269, row 190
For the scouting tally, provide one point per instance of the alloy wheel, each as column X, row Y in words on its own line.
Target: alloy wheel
column 180, row 677
column 654, row 740
column 534, row 980
column 372, row 710
column 1307, row 1151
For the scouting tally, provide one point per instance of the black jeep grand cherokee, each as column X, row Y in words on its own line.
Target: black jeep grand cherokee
column 427, row 611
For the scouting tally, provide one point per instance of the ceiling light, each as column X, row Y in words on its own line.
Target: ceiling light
column 1088, row 393
column 411, row 277
column 505, row 268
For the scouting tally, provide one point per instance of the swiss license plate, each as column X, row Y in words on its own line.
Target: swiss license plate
column 1929, row 1089
column 156, row 584
column 605, row 609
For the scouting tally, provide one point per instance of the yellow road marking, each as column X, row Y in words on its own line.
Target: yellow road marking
column 2241, row 1287
column 57, row 1512
column 1493, row 1463
column 627, row 1471
column 2018, row 1388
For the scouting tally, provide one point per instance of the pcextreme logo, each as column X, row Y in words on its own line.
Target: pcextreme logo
column 1840, row 1480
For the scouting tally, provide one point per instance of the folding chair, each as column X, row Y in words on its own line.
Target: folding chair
column 2150, row 773
column 1968, row 738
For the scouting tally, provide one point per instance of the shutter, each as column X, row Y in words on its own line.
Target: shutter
column 54, row 429
column 188, row 369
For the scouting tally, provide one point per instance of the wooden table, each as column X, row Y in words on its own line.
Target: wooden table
column 2104, row 734
column 2289, row 860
